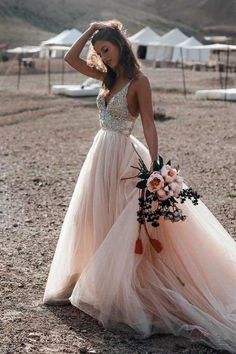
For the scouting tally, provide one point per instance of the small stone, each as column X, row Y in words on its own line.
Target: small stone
column 83, row 350
column 29, row 221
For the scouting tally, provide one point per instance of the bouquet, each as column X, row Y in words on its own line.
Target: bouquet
column 160, row 193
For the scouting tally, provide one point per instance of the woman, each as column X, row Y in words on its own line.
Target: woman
column 95, row 267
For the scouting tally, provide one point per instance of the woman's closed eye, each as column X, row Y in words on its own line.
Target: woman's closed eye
column 103, row 51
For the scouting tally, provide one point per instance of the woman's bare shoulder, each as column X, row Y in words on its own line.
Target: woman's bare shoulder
column 141, row 81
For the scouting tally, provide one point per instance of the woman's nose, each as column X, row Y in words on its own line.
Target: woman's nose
column 104, row 57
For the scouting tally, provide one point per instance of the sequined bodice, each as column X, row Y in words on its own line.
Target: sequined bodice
column 115, row 115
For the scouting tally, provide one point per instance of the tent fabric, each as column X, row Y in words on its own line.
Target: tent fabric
column 190, row 53
column 164, row 48
column 24, row 50
column 65, row 38
column 173, row 37
column 223, row 94
column 143, row 38
column 218, row 46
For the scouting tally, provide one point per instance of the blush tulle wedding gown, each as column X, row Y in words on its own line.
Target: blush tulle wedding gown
column 96, row 269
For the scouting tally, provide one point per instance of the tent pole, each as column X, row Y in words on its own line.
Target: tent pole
column 63, row 70
column 49, row 71
column 219, row 67
column 226, row 75
column 19, row 72
column 183, row 74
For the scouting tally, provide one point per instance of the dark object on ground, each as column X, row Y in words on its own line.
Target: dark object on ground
column 160, row 115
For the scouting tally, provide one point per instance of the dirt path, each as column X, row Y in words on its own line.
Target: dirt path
column 44, row 141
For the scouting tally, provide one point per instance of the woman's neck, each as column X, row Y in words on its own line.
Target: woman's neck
column 119, row 73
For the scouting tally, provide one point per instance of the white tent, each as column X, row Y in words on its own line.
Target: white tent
column 219, row 47
column 65, row 38
column 141, row 40
column 190, row 53
column 24, row 50
column 173, row 37
column 163, row 49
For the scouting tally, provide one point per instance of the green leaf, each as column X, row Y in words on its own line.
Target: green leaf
column 142, row 184
column 143, row 175
column 156, row 166
column 148, row 193
column 160, row 161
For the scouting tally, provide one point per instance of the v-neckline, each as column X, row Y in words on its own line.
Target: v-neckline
column 107, row 103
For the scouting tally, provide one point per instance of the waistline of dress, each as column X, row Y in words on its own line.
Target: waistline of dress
column 115, row 131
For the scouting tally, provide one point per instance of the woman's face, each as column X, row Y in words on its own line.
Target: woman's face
column 108, row 52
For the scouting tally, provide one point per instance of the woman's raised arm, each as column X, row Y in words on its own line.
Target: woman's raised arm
column 72, row 57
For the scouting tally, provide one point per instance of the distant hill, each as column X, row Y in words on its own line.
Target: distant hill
column 30, row 22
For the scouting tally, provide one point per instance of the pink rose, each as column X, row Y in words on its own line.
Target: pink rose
column 171, row 175
column 173, row 185
column 179, row 179
column 163, row 171
column 162, row 195
column 176, row 193
column 177, row 190
column 155, row 182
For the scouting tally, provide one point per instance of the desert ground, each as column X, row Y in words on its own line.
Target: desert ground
column 44, row 142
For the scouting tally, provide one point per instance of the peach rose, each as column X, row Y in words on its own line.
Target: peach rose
column 155, row 204
column 155, row 182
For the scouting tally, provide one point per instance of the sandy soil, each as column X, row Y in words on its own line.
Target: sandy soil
column 44, row 141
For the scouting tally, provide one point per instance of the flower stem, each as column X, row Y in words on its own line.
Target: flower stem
column 129, row 177
column 177, row 277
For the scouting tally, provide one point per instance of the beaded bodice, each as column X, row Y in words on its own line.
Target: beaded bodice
column 115, row 115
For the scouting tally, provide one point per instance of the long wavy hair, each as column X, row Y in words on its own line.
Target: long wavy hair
column 116, row 34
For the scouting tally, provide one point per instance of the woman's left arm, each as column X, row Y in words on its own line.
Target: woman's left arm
column 144, row 95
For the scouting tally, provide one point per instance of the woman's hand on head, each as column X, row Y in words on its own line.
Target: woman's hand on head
column 98, row 25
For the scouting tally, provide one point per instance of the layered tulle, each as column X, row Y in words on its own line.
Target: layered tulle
column 96, row 269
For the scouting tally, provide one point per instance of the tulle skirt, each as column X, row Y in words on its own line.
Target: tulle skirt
column 96, row 269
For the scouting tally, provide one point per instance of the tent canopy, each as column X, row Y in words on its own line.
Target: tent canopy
column 67, row 37
column 190, row 42
column 218, row 47
column 63, row 39
column 173, row 37
column 24, row 50
column 144, row 36
column 162, row 50
column 188, row 52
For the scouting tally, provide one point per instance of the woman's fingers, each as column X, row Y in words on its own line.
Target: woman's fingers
column 98, row 25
